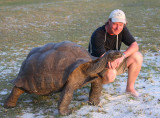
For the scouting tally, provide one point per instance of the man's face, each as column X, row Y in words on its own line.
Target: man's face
column 116, row 27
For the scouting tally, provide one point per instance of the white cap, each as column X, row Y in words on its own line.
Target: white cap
column 118, row 16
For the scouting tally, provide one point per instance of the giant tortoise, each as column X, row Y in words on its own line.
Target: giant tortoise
column 60, row 67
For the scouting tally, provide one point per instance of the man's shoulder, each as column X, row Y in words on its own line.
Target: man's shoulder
column 101, row 29
column 98, row 34
column 125, row 29
column 127, row 37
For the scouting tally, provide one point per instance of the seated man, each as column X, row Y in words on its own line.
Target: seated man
column 109, row 37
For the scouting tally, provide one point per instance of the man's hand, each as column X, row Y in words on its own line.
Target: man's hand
column 114, row 64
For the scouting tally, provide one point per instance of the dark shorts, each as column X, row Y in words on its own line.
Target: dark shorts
column 122, row 67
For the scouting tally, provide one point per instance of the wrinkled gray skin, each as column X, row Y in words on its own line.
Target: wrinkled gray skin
column 60, row 67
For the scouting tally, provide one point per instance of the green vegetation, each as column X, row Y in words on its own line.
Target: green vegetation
column 25, row 24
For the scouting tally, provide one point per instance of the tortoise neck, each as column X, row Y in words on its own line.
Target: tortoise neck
column 97, row 66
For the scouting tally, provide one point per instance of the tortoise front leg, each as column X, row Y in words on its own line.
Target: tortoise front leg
column 65, row 99
column 13, row 97
column 95, row 92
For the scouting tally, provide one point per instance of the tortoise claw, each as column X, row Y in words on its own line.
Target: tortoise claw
column 8, row 105
column 13, row 97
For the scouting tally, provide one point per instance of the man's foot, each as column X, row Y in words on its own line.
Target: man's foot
column 133, row 93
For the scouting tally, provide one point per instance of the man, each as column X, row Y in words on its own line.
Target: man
column 109, row 37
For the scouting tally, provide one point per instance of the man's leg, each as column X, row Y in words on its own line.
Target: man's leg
column 134, row 63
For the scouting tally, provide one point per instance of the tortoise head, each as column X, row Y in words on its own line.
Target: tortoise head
column 98, row 65
column 111, row 55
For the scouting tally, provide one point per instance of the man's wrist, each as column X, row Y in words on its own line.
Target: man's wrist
column 124, row 55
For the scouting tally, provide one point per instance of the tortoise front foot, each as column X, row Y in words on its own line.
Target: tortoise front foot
column 95, row 92
column 65, row 100
column 94, row 101
column 9, row 103
column 64, row 112
column 63, row 105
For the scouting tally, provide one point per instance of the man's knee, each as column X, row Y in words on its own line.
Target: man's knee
column 138, row 56
column 109, row 76
column 135, row 58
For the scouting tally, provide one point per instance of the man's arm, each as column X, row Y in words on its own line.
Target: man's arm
column 131, row 49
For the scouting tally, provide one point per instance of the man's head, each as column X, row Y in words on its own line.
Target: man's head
column 117, row 20
column 118, row 16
